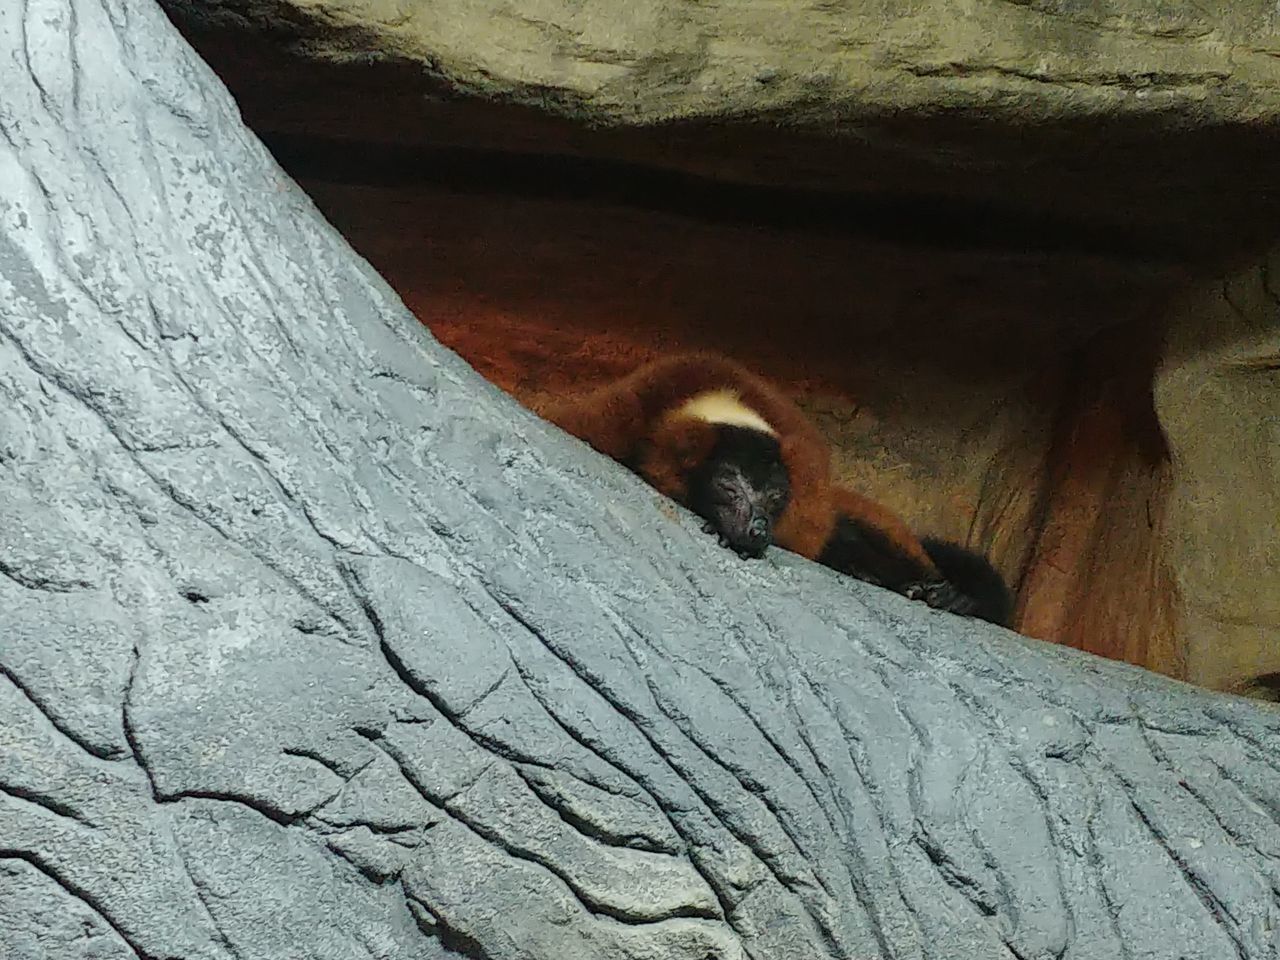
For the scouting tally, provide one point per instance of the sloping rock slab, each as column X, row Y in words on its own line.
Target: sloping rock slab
column 315, row 645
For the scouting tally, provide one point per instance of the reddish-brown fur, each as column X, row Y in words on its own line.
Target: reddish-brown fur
column 640, row 421
column 636, row 420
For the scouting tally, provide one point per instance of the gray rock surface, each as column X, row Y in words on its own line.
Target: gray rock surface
column 313, row 644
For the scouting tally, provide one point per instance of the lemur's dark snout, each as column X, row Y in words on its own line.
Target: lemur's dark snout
column 747, row 540
column 754, row 539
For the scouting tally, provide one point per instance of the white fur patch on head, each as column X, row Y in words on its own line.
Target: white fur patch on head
column 724, row 406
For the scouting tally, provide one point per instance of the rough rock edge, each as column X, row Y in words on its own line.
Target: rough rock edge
column 317, row 645
column 836, row 63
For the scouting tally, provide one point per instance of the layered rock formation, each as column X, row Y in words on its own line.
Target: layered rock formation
column 316, row 645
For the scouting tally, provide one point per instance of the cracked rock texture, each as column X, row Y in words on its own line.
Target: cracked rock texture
column 315, row 645
column 1106, row 116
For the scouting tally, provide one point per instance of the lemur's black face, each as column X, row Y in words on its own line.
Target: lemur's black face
column 741, row 489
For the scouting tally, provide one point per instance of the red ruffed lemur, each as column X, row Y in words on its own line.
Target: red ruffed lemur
column 725, row 443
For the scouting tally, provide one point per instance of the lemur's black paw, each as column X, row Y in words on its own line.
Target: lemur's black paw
column 915, row 591
column 710, row 528
column 941, row 595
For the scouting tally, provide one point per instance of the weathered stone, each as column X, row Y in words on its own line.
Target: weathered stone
column 1152, row 122
column 290, row 519
column 1218, row 397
